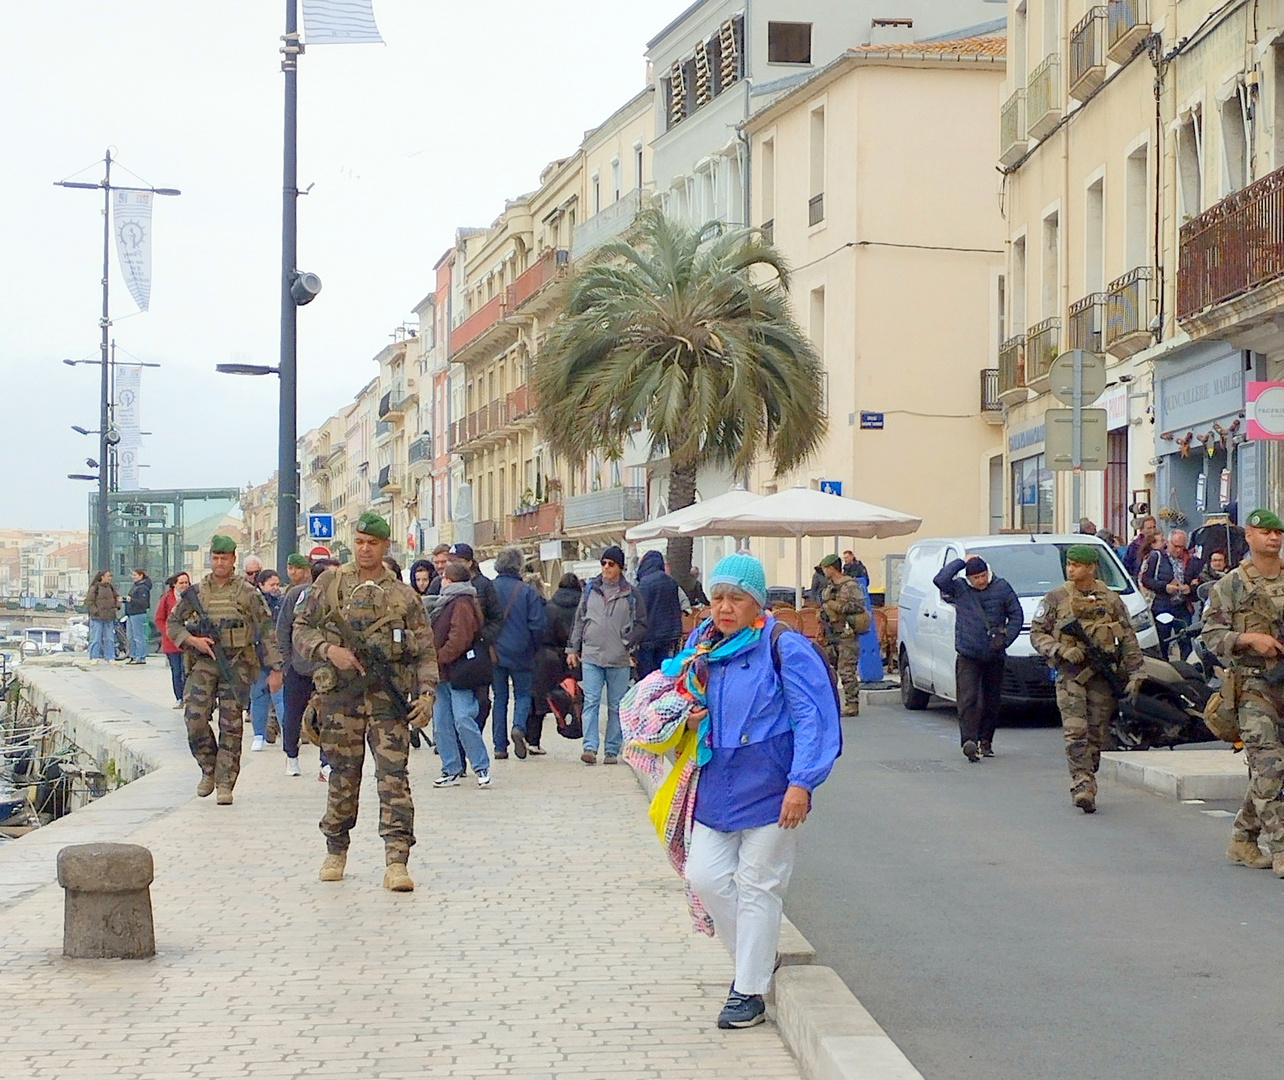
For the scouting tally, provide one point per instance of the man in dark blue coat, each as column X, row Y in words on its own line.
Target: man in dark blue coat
column 664, row 613
column 987, row 619
column 524, row 623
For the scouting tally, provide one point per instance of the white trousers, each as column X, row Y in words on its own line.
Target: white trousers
column 741, row 878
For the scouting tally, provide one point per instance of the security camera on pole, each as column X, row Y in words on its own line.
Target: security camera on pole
column 1075, row 438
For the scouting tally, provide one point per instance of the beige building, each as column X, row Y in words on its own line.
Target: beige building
column 1140, row 142
column 897, row 250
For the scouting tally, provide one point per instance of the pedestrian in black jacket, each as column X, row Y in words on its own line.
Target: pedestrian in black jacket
column 549, row 667
column 663, row 610
column 987, row 619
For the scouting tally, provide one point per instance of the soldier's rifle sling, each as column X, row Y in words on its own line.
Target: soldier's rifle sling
column 1097, row 658
column 378, row 669
column 207, row 627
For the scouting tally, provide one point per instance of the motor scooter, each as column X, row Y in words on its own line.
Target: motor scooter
column 1168, row 710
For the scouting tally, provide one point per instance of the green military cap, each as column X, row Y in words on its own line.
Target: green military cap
column 830, row 560
column 373, row 524
column 1265, row 519
column 222, row 545
column 297, row 560
column 1084, row 554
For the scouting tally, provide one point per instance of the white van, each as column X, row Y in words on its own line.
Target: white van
column 1032, row 565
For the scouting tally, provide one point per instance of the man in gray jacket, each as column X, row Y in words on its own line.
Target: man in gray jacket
column 610, row 623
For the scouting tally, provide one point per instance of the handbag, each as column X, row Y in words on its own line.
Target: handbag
column 473, row 668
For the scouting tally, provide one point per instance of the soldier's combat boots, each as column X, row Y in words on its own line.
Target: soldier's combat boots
column 332, row 868
column 396, row 879
column 1247, row 853
column 205, row 787
column 1085, row 801
column 224, row 796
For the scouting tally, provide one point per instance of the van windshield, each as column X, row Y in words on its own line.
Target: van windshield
column 1034, row 569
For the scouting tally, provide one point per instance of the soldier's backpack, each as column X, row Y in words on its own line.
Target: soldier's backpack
column 777, row 629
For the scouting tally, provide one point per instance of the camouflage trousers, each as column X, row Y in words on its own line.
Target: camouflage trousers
column 347, row 726
column 1263, row 810
column 845, row 660
column 1086, row 710
column 204, row 690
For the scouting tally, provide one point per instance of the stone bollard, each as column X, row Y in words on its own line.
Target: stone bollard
column 108, row 906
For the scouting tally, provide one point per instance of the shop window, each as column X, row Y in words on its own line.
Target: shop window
column 1032, row 494
column 788, row 43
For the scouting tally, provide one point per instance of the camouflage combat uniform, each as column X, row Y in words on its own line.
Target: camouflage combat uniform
column 388, row 615
column 1246, row 601
column 841, row 603
column 1084, row 697
column 243, row 616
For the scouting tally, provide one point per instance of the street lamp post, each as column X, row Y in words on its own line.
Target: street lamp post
column 104, row 403
column 287, row 499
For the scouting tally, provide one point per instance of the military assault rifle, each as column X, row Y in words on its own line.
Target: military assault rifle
column 1102, row 662
column 378, row 668
column 206, row 627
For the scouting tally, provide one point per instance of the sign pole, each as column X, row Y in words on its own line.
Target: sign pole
column 1076, row 445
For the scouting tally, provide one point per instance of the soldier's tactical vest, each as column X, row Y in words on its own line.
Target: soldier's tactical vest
column 226, row 609
column 1257, row 611
column 1262, row 602
column 1098, row 620
column 377, row 614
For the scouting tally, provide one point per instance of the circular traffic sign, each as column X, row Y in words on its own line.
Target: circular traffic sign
column 1092, row 377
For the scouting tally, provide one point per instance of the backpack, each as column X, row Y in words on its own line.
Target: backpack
column 566, row 701
column 778, row 628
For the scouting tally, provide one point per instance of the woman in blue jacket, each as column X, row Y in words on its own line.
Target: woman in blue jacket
column 772, row 731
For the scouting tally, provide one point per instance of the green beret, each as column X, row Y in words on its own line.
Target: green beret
column 1265, row 519
column 1084, row 554
column 831, row 560
column 297, row 560
column 373, row 524
column 222, row 545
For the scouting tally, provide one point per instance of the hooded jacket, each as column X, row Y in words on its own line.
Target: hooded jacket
column 102, row 600
column 560, row 613
column 423, row 564
column 610, row 623
column 456, row 623
column 140, row 597
column 663, row 607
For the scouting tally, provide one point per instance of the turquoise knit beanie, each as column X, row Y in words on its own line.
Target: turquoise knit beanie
column 744, row 572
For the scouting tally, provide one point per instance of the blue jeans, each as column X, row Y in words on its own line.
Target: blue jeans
column 176, row 674
column 259, row 695
column 616, row 682
column 454, row 720
column 102, row 639
column 137, row 628
column 499, row 702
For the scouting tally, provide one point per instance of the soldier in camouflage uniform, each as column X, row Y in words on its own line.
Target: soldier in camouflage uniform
column 353, row 709
column 1084, row 697
column 1242, row 628
column 243, row 619
column 844, row 618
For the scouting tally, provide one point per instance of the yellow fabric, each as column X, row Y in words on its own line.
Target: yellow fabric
column 683, row 741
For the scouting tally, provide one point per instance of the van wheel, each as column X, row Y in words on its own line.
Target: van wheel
column 912, row 697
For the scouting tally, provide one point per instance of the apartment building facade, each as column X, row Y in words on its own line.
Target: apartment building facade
column 1140, row 147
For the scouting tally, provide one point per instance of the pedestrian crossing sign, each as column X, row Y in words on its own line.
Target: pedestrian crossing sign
column 321, row 526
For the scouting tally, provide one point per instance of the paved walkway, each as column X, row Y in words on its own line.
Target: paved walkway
column 547, row 938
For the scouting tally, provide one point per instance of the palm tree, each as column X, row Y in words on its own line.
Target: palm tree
column 683, row 331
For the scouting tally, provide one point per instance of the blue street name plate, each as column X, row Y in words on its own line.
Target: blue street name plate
column 321, row 526
column 871, row 420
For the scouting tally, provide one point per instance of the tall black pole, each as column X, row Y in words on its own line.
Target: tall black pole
column 287, row 498
column 104, row 405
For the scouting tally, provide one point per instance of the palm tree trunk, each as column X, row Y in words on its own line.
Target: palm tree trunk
column 682, row 485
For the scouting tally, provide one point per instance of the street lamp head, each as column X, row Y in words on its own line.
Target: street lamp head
column 246, row 369
column 91, row 463
column 82, row 431
column 304, row 288
column 81, row 476
column 166, row 191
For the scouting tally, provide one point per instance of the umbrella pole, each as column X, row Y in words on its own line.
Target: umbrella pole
column 798, row 573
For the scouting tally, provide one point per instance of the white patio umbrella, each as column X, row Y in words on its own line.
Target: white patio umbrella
column 801, row 511
column 670, row 525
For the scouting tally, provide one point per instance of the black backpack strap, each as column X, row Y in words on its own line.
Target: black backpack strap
column 777, row 628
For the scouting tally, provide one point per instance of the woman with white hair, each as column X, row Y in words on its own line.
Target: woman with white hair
column 769, row 733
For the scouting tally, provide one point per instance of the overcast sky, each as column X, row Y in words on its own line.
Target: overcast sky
column 461, row 108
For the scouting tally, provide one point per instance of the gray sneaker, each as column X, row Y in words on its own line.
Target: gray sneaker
column 742, row 1011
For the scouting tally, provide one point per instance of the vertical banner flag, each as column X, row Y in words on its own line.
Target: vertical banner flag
column 128, row 423
column 340, row 22
column 1264, row 409
column 132, row 218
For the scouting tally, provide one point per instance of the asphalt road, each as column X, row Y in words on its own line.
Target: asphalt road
column 997, row 932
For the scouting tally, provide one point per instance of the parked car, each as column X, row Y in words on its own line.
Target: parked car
column 1032, row 565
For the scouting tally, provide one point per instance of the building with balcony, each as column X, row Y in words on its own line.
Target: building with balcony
column 1158, row 255
column 900, row 284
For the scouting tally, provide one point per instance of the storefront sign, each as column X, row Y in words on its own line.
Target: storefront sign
column 1202, row 386
column 1115, row 402
column 1026, row 443
column 1264, row 410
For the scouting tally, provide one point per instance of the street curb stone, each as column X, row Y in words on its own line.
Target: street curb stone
column 1179, row 774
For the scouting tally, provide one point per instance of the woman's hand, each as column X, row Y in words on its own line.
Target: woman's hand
column 695, row 716
column 795, row 807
